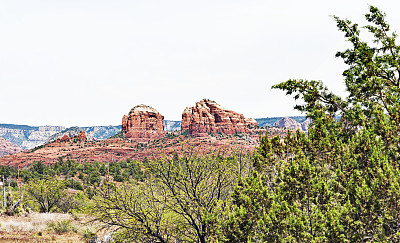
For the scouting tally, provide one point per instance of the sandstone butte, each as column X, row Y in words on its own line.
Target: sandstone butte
column 143, row 123
column 80, row 136
column 209, row 117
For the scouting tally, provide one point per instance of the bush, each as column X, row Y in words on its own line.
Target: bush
column 62, row 226
column 68, row 203
column 88, row 234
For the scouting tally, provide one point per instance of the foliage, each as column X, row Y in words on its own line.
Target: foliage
column 341, row 183
column 88, row 234
column 183, row 200
column 68, row 203
column 46, row 193
column 63, row 226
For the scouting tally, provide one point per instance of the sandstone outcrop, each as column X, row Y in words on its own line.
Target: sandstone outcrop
column 209, row 117
column 71, row 133
column 143, row 123
column 65, row 138
column 81, row 136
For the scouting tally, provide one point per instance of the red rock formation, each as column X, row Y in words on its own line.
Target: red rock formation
column 209, row 117
column 186, row 118
column 81, row 136
column 65, row 138
column 251, row 121
column 143, row 123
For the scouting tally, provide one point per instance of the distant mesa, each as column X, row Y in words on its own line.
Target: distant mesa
column 143, row 123
column 209, row 117
column 292, row 124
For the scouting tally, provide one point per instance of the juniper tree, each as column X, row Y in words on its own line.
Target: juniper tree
column 341, row 183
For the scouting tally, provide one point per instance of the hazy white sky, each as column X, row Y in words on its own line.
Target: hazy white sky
column 82, row 62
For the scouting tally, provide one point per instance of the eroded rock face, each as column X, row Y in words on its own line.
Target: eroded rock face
column 65, row 138
column 209, row 117
column 143, row 123
column 288, row 123
column 81, row 136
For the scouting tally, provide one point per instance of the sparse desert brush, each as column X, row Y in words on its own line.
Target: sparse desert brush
column 88, row 234
column 62, row 226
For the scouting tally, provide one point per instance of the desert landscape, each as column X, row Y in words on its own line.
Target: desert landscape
column 188, row 121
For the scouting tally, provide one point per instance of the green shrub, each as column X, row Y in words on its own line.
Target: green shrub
column 88, row 234
column 62, row 226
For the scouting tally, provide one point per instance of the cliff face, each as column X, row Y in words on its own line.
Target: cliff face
column 28, row 137
column 289, row 123
column 6, row 147
column 292, row 124
column 209, row 117
column 143, row 123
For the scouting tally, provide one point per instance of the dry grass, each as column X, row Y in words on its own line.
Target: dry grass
column 34, row 228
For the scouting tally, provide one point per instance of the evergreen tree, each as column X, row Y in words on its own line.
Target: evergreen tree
column 341, row 183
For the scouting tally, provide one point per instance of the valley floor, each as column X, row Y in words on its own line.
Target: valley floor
column 35, row 227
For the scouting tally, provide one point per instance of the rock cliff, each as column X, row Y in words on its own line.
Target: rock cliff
column 292, row 124
column 28, row 137
column 288, row 123
column 143, row 123
column 209, row 117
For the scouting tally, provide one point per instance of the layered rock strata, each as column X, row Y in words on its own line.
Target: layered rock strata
column 143, row 123
column 209, row 117
column 28, row 137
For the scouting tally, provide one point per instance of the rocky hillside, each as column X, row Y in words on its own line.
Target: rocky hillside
column 6, row 147
column 115, row 149
column 289, row 123
column 28, row 137
column 69, row 132
column 101, row 132
column 269, row 121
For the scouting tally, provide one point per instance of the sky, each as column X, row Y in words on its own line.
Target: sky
column 88, row 62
